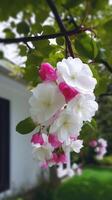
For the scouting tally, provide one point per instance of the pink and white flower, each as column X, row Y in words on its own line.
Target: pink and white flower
column 59, row 106
column 42, row 151
column 53, row 140
column 73, row 145
column 45, row 101
column 102, row 142
column 84, row 106
column 68, row 92
column 47, row 72
column 93, row 143
column 100, row 147
column 77, row 169
column 66, row 125
column 76, row 74
column 37, row 139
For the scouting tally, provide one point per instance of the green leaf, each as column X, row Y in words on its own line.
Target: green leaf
column 98, row 4
column 86, row 46
column 23, row 27
column 36, row 28
column 42, row 14
column 90, row 127
column 60, row 41
column 48, row 29
column 8, row 33
column 95, row 71
column 71, row 3
column 26, row 126
column 42, row 48
column 101, row 87
column 22, row 50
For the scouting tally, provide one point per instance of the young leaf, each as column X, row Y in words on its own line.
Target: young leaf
column 23, row 27
column 86, row 46
column 60, row 41
column 25, row 126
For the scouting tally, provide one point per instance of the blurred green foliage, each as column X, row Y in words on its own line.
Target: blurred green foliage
column 94, row 184
column 107, row 161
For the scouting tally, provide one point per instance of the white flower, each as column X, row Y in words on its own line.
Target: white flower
column 77, row 169
column 74, row 166
column 70, row 172
column 76, row 74
column 102, row 142
column 84, row 106
column 42, row 152
column 73, row 145
column 66, row 125
column 45, row 102
column 77, row 145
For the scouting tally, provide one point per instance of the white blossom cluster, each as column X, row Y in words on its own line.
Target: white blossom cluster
column 59, row 106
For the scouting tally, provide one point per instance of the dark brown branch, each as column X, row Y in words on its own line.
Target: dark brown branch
column 61, row 25
column 28, row 46
column 41, row 37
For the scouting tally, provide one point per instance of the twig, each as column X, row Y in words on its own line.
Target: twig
column 28, row 46
column 61, row 25
column 41, row 37
column 66, row 49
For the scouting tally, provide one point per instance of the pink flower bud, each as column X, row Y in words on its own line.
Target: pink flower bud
column 93, row 143
column 44, row 165
column 68, row 92
column 62, row 158
column 55, row 158
column 53, row 140
column 59, row 158
column 37, row 138
column 47, row 72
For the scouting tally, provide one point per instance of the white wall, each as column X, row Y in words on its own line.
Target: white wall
column 24, row 171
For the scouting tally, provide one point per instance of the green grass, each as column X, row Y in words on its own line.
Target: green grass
column 94, row 184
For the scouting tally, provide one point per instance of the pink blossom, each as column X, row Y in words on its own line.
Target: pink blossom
column 47, row 72
column 59, row 158
column 37, row 138
column 93, row 143
column 68, row 92
column 55, row 158
column 53, row 140
column 73, row 137
column 62, row 158
column 102, row 142
column 44, row 165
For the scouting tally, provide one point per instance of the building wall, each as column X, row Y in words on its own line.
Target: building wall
column 24, row 171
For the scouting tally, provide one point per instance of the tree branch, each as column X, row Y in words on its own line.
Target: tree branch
column 61, row 25
column 41, row 37
column 28, row 46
